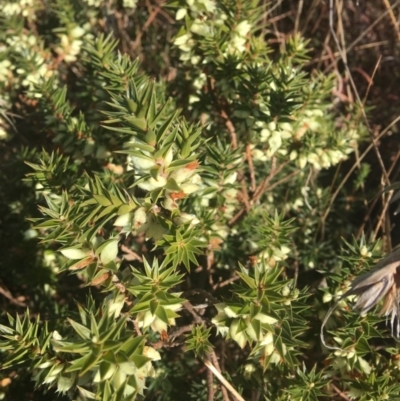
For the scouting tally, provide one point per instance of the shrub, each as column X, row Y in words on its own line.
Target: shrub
column 187, row 222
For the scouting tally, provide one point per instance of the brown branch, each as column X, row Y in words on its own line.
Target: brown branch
column 223, row 380
column 263, row 186
column 7, row 294
column 337, row 391
column 351, row 170
column 226, row 282
column 172, row 336
column 392, row 17
column 231, row 128
column 202, row 292
column 214, row 360
column 372, row 205
column 260, row 190
column 210, row 386
column 132, row 255
column 251, row 167
column 189, row 307
column 236, row 217
column 136, row 326
column 342, row 51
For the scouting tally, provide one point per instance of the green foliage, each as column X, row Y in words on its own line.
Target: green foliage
column 252, row 316
column 198, row 341
column 183, row 213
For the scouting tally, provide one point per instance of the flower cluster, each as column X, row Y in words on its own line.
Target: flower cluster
column 205, row 20
column 149, row 319
column 142, row 221
column 71, row 43
column 314, row 146
column 23, row 8
column 239, row 326
column 32, row 62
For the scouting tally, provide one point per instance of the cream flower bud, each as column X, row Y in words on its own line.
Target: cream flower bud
column 169, row 204
column 186, row 218
column 327, row 297
column 182, row 174
column 142, row 164
column 152, row 183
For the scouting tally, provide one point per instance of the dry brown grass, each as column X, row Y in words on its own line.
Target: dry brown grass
column 360, row 43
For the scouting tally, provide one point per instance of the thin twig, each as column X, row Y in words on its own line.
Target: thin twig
column 335, row 55
column 337, row 391
column 136, row 326
column 132, row 255
column 298, row 14
column 264, row 184
column 386, row 201
column 360, row 37
column 343, row 56
column 7, row 294
column 189, row 307
column 222, row 379
column 260, row 190
column 373, row 203
column 386, row 198
column 210, row 386
column 231, row 128
column 214, row 360
column 173, row 335
column 338, row 189
column 226, row 282
column 392, row 17
column 284, row 179
column 251, row 168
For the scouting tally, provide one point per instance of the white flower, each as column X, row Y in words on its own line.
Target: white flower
column 327, row 297
column 189, row 188
column 139, row 217
column 123, row 220
column 269, row 349
column 243, row 28
column 77, row 32
column 200, row 28
column 182, row 174
column 184, row 42
column 142, row 163
column 230, row 195
column 180, row 14
column 314, row 113
column 170, row 204
column 168, row 157
column 5, row 70
column 274, row 142
column 56, row 335
column 153, row 183
column 193, row 99
column 231, row 179
column 229, row 312
column 302, row 161
column 293, row 155
column 364, row 251
column 208, row 4
column 151, row 353
column 129, row 3
column 239, row 337
column 186, row 218
column 200, row 80
column 259, row 155
column 195, row 60
column 265, row 318
column 267, row 339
